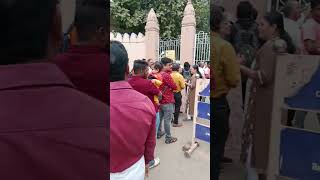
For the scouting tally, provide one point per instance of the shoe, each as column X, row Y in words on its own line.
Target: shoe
column 176, row 125
column 226, row 160
column 154, row 163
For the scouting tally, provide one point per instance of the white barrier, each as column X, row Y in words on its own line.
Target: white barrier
column 201, row 119
column 293, row 152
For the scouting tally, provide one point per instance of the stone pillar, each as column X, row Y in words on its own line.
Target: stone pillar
column 152, row 36
column 188, row 31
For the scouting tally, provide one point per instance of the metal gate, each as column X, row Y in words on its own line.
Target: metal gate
column 167, row 44
column 202, row 47
column 279, row 4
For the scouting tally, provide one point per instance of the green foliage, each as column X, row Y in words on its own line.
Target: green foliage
column 130, row 15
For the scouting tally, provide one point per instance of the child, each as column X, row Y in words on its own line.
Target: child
column 156, row 79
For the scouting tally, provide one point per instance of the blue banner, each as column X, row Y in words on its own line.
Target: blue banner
column 205, row 91
column 300, row 154
column 204, row 110
column 309, row 95
column 203, row 133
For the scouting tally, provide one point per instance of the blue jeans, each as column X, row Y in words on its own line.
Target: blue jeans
column 166, row 114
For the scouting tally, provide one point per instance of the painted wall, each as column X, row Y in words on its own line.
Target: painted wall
column 134, row 44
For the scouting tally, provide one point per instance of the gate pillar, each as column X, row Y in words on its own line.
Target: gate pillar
column 188, row 31
column 152, row 36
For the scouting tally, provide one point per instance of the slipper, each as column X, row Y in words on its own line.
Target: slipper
column 160, row 135
column 155, row 163
column 171, row 140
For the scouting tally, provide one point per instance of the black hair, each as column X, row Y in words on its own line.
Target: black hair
column 166, row 61
column 175, row 67
column 139, row 66
column 314, row 3
column 91, row 16
column 25, row 29
column 118, row 61
column 196, row 67
column 158, row 65
column 186, row 66
column 275, row 18
column 216, row 18
column 245, row 10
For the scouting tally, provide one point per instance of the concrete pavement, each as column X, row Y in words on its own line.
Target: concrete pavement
column 174, row 165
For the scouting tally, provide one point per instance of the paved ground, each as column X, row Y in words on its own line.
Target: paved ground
column 233, row 172
column 173, row 164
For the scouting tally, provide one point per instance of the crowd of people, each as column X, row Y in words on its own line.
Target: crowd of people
column 148, row 98
column 244, row 54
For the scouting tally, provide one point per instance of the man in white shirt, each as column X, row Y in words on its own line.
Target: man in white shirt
column 292, row 21
column 201, row 68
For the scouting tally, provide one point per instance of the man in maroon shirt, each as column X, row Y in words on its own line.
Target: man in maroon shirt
column 140, row 83
column 132, row 122
column 86, row 63
column 167, row 102
column 49, row 130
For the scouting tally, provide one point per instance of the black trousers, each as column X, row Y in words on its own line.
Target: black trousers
column 220, row 113
column 177, row 106
column 244, row 88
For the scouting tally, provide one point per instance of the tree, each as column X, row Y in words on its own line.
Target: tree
column 130, row 15
column 202, row 9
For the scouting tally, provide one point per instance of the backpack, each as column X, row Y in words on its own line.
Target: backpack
column 246, row 41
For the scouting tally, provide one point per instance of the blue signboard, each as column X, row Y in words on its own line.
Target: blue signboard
column 203, row 133
column 300, row 154
column 309, row 95
column 205, row 91
column 204, row 110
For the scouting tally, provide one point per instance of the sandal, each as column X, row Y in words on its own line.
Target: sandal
column 154, row 163
column 171, row 140
column 160, row 134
